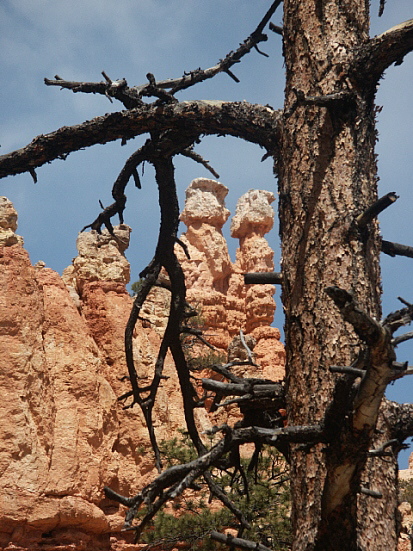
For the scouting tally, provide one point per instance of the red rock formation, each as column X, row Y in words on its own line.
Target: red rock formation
column 406, row 533
column 216, row 285
column 63, row 434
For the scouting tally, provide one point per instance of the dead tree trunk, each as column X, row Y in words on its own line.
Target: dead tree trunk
column 327, row 176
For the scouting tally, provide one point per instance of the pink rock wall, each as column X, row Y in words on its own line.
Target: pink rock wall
column 63, row 434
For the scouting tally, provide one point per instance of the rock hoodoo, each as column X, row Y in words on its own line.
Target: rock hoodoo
column 216, row 284
column 8, row 224
column 64, row 435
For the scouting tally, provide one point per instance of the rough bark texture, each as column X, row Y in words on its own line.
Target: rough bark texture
column 327, row 177
column 240, row 119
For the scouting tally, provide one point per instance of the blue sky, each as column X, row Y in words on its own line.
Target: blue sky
column 77, row 39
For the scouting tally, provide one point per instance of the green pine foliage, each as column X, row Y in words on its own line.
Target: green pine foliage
column 195, row 360
column 265, row 504
column 136, row 287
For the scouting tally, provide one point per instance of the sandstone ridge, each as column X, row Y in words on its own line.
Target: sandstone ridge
column 64, row 435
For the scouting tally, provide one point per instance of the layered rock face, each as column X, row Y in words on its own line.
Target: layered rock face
column 64, row 435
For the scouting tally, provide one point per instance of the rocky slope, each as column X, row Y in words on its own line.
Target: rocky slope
column 64, row 435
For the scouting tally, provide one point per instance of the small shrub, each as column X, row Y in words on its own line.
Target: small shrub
column 265, row 505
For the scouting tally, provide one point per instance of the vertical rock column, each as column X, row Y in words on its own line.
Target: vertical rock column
column 216, row 286
column 208, row 270
column 252, row 307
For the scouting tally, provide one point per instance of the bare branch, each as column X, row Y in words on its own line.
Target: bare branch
column 374, row 210
column 221, row 495
column 276, row 29
column 372, row 59
column 244, row 344
column 399, row 318
column 366, row 402
column 396, row 249
column 380, row 451
column 348, row 370
column 398, row 374
column 117, row 89
column 191, row 154
column 402, row 338
column 174, row 480
column 131, row 97
column 328, row 100
column 231, row 59
column 238, row 542
column 273, row 390
column 371, row 493
column 263, row 278
column 254, row 123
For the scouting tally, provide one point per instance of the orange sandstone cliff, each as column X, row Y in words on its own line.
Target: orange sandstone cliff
column 63, row 434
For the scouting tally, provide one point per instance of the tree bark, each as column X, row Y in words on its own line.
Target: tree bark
column 327, row 177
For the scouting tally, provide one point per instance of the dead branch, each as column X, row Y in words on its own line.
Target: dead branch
column 396, row 249
column 170, row 143
column 373, row 58
column 380, row 451
column 399, row 318
column 191, row 154
column 371, row 493
column 104, row 218
column 374, row 210
column 328, row 100
column 397, row 374
column 348, row 370
column 276, row 29
column 238, row 542
column 378, row 337
column 275, row 390
column 227, row 373
column 152, row 89
column 366, row 402
column 159, row 151
column 402, row 338
column 263, row 278
column 117, row 89
column 254, row 123
column 174, row 480
column 131, row 97
column 244, row 344
column 221, row 495
column 199, row 335
column 231, row 59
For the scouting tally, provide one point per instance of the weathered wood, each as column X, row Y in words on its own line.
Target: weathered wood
column 263, row 278
column 254, row 123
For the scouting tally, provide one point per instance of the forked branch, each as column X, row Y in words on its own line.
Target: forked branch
column 131, row 96
column 381, row 51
